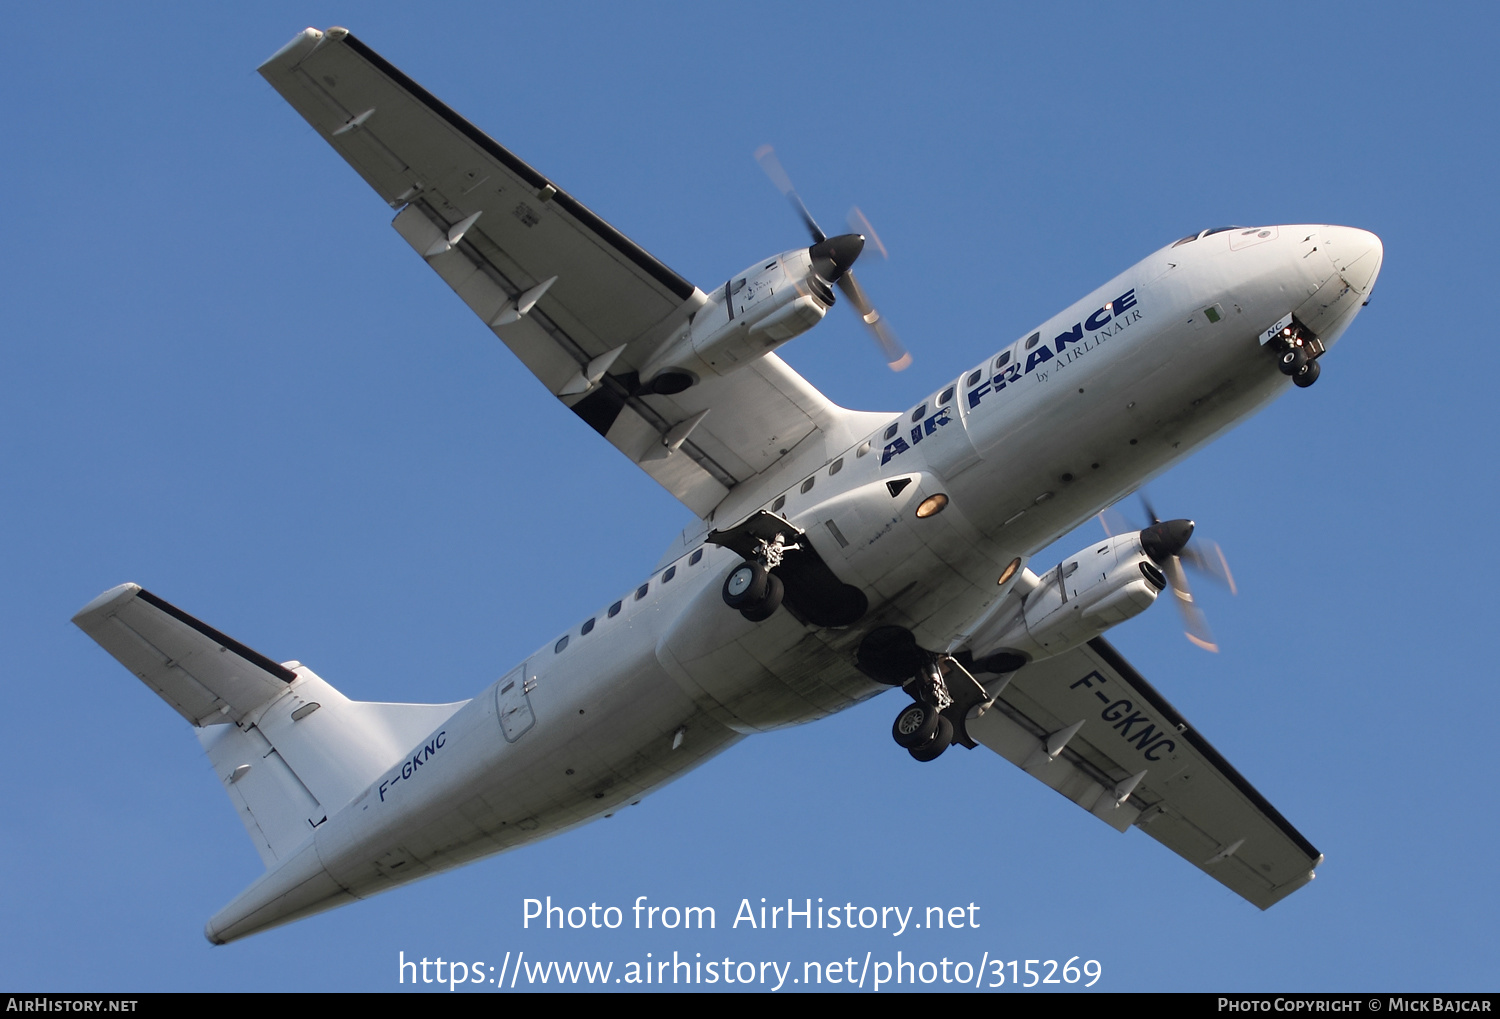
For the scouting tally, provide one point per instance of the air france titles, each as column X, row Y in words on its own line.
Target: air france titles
column 1065, row 348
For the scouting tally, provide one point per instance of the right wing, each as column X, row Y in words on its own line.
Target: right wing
column 1132, row 759
column 496, row 231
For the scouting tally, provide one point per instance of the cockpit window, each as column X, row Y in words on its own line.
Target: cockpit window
column 1203, row 233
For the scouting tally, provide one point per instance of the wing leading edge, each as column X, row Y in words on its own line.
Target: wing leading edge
column 1090, row 726
column 581, row 305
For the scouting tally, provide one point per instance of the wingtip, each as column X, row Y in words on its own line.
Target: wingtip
column 114, row 595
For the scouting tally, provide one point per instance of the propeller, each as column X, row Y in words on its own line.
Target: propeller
column 1166, row 542
column 837, row 254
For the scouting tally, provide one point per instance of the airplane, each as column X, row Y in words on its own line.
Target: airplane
column 835, row 554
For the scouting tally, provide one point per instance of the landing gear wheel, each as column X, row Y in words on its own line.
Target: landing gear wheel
column 746, row 586
column 933, row 748
column 916, row 724
column 768, row 604
column 1291, row 360
column 1307, row 375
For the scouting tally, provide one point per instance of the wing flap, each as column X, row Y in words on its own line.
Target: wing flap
column 207, row 677
column 1131, row 743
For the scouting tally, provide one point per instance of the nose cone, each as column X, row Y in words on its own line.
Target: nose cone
column 1165, row 539
column 833, row 257
column 1356, row 253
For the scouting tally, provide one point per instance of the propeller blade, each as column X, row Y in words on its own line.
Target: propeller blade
column 1195, row 626
column 860, row 224
column 766, row 157
column 1113, row 522
column 896, row 356
column 1208, row 557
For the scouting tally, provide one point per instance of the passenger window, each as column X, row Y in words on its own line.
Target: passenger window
column 890, row 433
column 780, row 502
column 1031, row 340
column 614, row 610
column 693, row 559
column 588, row 627
column 671, row 572
column 1002, row 360
column 836, row 466
column 919, row 413
column 975, row 377
column 947, row 395
column 557, row 648
column 807, row 485
column 640, row 592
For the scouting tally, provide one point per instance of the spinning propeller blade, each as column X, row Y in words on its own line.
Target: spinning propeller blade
column 896, row 356
column 1166, row 542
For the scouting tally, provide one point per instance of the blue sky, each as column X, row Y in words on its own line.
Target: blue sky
column 231, row 382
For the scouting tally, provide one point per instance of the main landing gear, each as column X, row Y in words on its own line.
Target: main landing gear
column 752, row 587
column 923, row 727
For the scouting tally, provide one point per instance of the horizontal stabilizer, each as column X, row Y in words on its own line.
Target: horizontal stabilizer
column 207, row 677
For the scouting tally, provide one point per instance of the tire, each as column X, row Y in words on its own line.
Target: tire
column 933, row 748
column 915, row 725
column 745, row 585
column 768, row 604
column 1291, row 360
column 1307, row 375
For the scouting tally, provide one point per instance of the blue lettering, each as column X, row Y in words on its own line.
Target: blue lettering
column 899, row 446
column 976, row 394
column 1118, row 707
column 1125, row 300
column 1040, row 354
column 938, row 419
column 1073, row 335
column 1095, row 322
column 440, row 737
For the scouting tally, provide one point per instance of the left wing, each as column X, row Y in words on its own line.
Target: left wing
column 572, row 297
column 1091, row 727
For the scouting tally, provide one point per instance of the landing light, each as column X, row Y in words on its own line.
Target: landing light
column 932, row 506
column 1010, row 571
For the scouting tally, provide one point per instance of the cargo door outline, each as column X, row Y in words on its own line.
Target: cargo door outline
column 513, row 704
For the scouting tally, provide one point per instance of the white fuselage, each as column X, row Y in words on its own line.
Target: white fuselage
column 1110, row 392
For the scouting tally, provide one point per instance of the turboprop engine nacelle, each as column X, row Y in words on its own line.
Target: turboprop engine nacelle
column 753, row 313
column 1083, row 596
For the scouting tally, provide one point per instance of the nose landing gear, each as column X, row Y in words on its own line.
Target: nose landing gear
column 1297, row 355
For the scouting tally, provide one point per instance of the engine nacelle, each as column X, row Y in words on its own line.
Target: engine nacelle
column 1083, row 596
column 752, row 314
